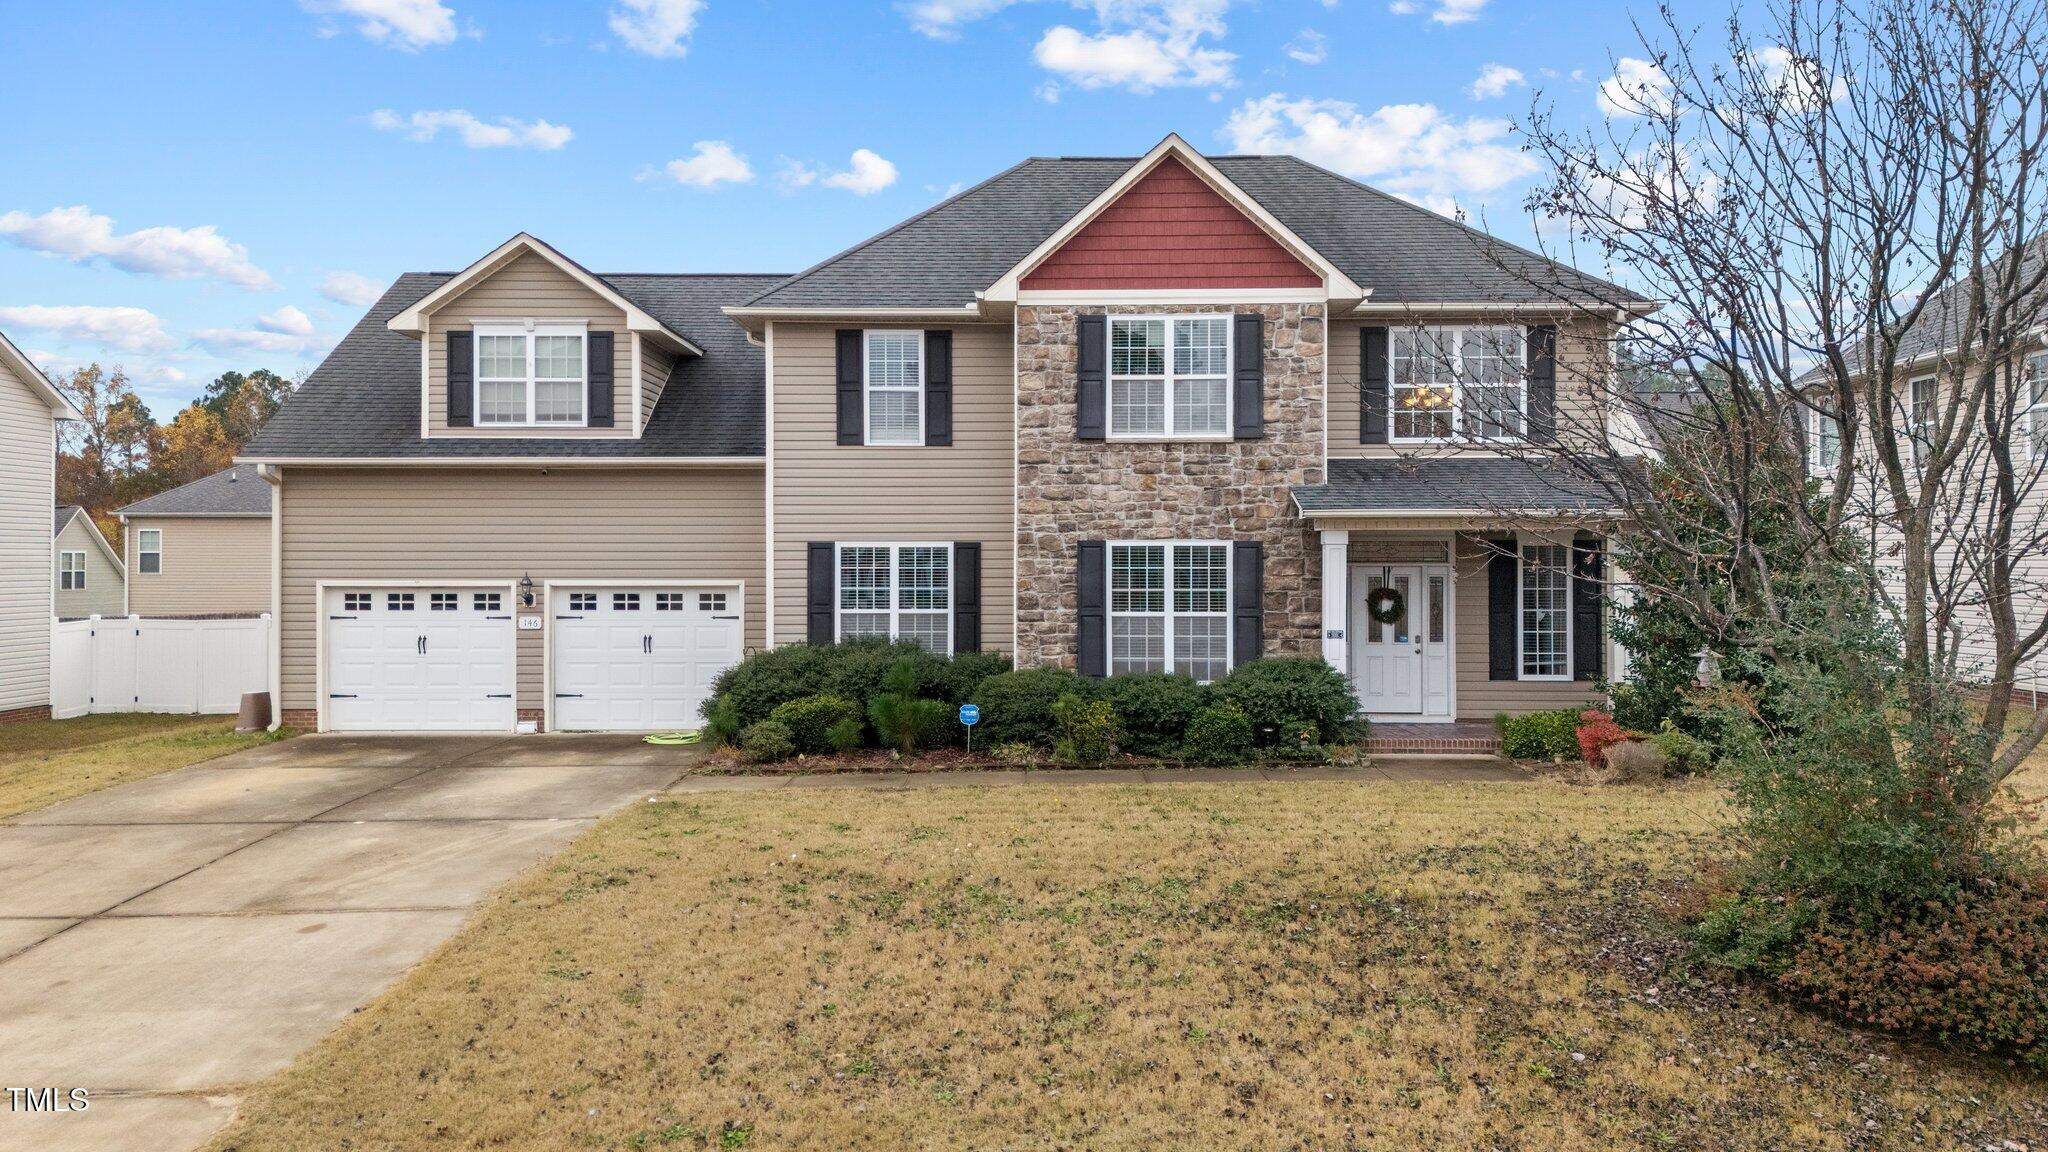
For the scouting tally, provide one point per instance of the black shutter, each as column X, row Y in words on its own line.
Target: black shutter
column 821, row 592
column 966, row 597
column 1092, row 396
column 851, row 374
column 1589, row 654
column 1543, row 383
column 1091, row 579
column 1372, row 385
column 1248, row 377
column 938, row 388
column 1503, row 641
column 600, row 354
column 1247, row 602
column 461, row 380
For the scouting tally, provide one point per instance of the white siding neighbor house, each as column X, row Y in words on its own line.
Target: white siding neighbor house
column 30, row 407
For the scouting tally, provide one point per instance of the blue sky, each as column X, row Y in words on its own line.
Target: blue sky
column 192, row 188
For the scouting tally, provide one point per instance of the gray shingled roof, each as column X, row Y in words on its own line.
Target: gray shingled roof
column 64, row 514
column 364, row 399
column 1940, row 326
column 1464, row 484
column 1402, row 253
column 239, row 491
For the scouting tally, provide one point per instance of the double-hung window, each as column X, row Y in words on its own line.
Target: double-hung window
column 1169, row 609
column 149, row 551
column 895, row 387
column 1826, row 442
column 2035, row 384
column 1169, row 377
column 1452, row 383
column 71, row 571
column 897, row 591
column 1920, row 416
column 530, row 376
column 1546, row 611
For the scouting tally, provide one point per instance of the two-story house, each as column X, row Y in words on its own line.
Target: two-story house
column 1164, row 413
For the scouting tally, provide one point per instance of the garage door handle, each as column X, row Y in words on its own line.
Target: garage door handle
column 647, row 644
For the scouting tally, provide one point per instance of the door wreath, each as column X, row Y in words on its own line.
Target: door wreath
column 1386, row 604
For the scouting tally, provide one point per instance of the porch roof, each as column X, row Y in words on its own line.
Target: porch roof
column 1480, row 485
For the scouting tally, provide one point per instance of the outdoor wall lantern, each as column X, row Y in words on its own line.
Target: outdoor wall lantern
column 526, row 590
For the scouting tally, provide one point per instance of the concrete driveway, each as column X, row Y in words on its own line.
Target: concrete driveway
column 165, row 942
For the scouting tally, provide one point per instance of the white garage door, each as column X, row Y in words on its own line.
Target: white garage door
column 418, row 660
column 636, row 659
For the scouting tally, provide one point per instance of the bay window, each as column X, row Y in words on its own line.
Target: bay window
column 1458, row 382
column 898, row 592
column 895, row 387
column 1169, row 609
column 530, row 376
column 1546, row 611
column 1169, row 377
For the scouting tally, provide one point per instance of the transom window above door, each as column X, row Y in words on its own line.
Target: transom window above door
column 1458, row 383
column 535, row 376
column 1169, row 377
column 895, row 387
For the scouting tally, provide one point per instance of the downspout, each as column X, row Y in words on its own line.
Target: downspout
column 274, row 476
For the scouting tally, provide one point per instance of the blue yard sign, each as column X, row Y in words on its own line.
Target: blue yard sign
column 970, row 715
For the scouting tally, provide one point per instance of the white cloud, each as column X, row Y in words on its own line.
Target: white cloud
column 793, row 174
column 1311, row 47
column 713, row 164
column 287, row 321
column 1402, row 7
column 1637, row 88
column 1446, row 12
column 506, row 133
column 941, row 19
column 406, row 24
column 78, row 235
column 1798, row 82
column 1048, row 92
column 1413, row 150
column 1139, row 60
column 657, row 28
column 1495, row 80
column 867, row 175
column 122, row 328
column 352, row 288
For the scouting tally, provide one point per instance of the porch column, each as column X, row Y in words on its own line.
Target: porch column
column 1336, row 598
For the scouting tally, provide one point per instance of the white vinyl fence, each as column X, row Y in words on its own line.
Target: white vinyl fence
column 135, row 664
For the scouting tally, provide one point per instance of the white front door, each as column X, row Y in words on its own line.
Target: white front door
column 1402, row 667
column 418, row 660
column 640, row 659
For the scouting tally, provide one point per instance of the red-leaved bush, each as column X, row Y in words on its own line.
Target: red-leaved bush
column 1597, row 733
column 1972, row 972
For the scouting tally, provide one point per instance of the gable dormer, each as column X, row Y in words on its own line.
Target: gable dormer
column 527, row 343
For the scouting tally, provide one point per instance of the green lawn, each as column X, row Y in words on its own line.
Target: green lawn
column 1304, row 965
column 44, row 762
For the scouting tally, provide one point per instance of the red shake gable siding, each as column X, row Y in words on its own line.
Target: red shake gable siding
column 1170, row 230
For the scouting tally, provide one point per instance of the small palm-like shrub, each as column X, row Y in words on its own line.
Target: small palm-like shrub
column 821, row 724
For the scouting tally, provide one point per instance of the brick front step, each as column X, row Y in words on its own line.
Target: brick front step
column 1387, row 745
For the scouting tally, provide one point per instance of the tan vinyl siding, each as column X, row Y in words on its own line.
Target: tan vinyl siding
column 528, row 286
column 28, row 445
column 1578, row 401
column 655, row 366
column 828, row 492
column 102, row 593
column 625, row 524
column 213, row 566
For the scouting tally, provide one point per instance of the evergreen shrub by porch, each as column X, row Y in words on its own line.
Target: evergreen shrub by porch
column 1016, row 707
column 1154, row 709
column 1084, row 731
column 1219, row 734
column 1276, row 690
column 1539, row 735
column 822, row 723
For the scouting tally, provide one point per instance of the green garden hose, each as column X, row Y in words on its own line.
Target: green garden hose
column 693, row 736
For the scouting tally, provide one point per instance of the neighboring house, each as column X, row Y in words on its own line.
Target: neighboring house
column 1161, row 413
column 87, row 577
column 201, row 549
column 30, row 407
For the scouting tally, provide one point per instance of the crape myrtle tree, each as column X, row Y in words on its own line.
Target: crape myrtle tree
column 1838, row 211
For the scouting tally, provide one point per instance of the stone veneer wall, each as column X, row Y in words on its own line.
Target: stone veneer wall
column 1070, row 490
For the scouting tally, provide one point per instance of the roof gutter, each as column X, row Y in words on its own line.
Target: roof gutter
column 1559, row 308
column 752, row 317
column 262, row 462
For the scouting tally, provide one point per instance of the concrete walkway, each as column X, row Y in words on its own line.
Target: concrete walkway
column 164, row 943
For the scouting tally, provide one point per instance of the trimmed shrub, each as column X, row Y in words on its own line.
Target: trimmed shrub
column 1153, row 710
column 1219, row 734
column 820, row 724
column 955, row 680
column 1689, row 755
column 1596, row 733
column 1016, row 707
column 1299, row 741
column 749, row 690
column 1272, row 692
column 859, row 669
column 766, row 740
column 1084, row 731
column 1539, row 735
